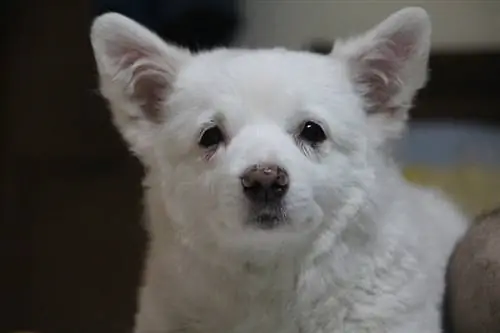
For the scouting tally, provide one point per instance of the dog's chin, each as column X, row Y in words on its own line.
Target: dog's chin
column 265, row 232
column 267, row 217
column 264, row 237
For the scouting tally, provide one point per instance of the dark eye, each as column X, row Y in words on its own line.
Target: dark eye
column 312, row 133
column 212, row 137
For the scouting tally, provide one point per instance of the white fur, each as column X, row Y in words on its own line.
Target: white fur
column 362, row 250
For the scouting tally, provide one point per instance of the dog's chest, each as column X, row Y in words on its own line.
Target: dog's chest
column 269, row 312
column 266, row 304
column 239, row 309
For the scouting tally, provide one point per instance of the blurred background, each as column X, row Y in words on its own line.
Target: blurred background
column 71, row 237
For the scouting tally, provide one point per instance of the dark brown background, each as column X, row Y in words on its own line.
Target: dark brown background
column 71, row 240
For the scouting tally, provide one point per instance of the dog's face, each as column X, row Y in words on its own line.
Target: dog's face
column 250, row 146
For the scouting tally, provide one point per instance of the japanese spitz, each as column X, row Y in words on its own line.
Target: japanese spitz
column 273, row 204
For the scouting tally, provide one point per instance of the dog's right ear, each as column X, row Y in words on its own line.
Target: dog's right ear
column 388, row 65
column 137, row 70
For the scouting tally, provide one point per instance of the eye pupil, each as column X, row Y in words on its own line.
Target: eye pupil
column 312, row 133
column 211, row 137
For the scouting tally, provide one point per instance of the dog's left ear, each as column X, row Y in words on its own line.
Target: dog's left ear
column 137, row 71
column 388, row 65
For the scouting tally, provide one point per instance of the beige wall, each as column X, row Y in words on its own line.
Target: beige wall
column 458, row 24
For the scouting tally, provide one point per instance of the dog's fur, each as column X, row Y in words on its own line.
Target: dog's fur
column 473, row 295
column 357, row 249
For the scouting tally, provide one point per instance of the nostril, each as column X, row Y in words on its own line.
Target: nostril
column 246, row 181
column 282, row 178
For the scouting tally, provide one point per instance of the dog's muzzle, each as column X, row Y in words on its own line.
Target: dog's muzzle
column 265, row 186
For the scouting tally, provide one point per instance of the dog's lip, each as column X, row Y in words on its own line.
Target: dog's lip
column 267, row 220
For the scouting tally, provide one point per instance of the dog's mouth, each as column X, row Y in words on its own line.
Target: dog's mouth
column 267, row 217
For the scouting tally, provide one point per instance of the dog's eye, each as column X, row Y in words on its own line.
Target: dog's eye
column 312, row 133
column 212, row 137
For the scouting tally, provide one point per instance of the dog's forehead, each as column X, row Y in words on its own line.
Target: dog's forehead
column 265, row 83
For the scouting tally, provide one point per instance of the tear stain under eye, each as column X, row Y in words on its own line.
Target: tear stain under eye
column 207, row 155
column 311, row 151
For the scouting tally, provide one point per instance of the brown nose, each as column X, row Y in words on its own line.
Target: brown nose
column 265, row 183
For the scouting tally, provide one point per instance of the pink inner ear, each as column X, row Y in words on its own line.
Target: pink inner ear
column 148, row 82
column 125, row 53
column 381, row 69
column 402, row 44
column 131, row 57
column 150, row 87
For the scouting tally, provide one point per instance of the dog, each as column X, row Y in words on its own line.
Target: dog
column 273, row 204
column 473, row 279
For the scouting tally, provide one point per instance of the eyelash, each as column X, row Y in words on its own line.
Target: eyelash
column 303, row 146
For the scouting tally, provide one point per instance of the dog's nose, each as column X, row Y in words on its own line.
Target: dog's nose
column 265, row 183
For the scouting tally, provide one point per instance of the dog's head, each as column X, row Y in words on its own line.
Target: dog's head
column 258, row 145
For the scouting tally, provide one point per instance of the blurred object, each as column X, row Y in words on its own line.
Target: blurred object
column 472, row 300
column 457, row 25
column 195, row 24
column 473, row 188
column 320, row 46
column 463, row 160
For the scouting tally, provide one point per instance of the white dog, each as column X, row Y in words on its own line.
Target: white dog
column 272, row 200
